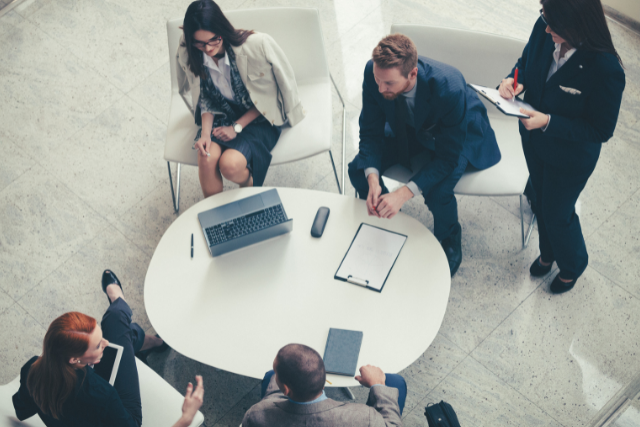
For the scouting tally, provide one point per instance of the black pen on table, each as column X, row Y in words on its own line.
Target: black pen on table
column 191, row 245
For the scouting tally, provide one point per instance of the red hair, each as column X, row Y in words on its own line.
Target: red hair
column 51, row 378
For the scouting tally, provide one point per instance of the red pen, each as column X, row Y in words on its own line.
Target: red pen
column 515, row 81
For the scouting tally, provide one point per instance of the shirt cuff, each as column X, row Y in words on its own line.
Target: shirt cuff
column 369, row 171
column 376, row 385
column 545, row 128
column 414, row 188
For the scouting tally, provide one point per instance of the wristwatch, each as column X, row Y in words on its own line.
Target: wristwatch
column 237, row 127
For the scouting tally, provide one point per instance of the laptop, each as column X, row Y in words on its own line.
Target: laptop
column 244, row 222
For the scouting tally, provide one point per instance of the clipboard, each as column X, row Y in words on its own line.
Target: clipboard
column 508, row 107
column 371, row 256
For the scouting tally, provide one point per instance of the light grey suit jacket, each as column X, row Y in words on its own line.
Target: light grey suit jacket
column 275, row 409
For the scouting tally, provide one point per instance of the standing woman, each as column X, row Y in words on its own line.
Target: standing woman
column 230, row 74
column 572, row 75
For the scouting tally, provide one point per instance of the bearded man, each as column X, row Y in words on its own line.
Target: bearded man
column 416, row 108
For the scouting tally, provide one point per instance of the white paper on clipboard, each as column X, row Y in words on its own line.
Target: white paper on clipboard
column 371, row 256
column 510, row 107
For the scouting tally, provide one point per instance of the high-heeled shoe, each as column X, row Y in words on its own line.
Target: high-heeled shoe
column 538, row 270
column 109, row 278
column 559, row 287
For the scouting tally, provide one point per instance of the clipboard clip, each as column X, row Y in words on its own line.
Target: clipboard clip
column 356, row 281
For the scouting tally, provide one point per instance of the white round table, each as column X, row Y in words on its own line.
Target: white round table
column 235, row 311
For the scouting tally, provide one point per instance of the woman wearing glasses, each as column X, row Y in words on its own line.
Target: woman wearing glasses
column 242, row 89
column 572, row 75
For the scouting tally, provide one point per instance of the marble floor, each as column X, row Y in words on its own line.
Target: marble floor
column 84, row 98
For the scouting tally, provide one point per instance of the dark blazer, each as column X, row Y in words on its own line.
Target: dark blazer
column 580, row 122
column 93, row 403
column 446, row 107
column 275, row 409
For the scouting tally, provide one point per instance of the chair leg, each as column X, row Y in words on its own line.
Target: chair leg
column 335, row 173
column 525, row 240
column 350, row 393
column 175, row 195
column 344, row 134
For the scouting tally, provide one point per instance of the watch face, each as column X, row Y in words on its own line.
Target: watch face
column 237, row 128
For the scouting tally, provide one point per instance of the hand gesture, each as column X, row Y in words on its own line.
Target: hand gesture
column 224, row 133
column 536, row 119
column 371, row 375
column 203, row 145
column 506, row 89
column 374, row 194
column 192, row 400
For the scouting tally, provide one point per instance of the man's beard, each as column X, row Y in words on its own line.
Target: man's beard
column 390, row 96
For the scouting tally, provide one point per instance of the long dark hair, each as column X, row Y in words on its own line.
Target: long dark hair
column 206, row 15
column 51, row 378
column 580, row 22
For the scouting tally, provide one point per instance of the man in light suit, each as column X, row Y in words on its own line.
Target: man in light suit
column 293, row 395
column 412, row 107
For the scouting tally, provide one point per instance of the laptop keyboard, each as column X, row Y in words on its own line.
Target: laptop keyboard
column 247, row 224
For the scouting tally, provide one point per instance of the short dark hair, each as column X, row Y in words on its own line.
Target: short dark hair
column 207, row 15
column 396, row 50
column 302, row 369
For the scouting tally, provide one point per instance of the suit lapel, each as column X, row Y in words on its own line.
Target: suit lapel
column 570, row 69
column 423, row 94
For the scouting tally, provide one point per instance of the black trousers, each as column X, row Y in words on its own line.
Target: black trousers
column 556, row 191
column 117, row 328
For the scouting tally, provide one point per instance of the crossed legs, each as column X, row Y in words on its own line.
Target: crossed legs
column 229, row 163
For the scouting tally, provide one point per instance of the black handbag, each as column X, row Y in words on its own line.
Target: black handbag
column 441, row 415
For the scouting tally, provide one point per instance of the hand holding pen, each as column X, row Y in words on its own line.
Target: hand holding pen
column 510, row 88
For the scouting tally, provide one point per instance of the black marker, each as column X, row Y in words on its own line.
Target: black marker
column 191, row 245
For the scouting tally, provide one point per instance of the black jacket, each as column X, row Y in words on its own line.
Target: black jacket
column 583, row 99
column 93, row 403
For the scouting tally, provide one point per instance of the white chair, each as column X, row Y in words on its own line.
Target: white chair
column 483, row 59
column 161, row 403
column 298, row 32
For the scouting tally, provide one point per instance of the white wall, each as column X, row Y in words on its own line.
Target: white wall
column 631, row 8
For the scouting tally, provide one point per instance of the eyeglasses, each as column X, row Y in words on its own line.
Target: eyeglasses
column 543, row 18
column 213, row 42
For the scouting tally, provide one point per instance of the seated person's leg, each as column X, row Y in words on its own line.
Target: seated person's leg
column 396, row 381
column 265, row 383
column 359, row 180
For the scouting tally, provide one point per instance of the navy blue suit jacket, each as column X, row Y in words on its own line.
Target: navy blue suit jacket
column 581, row 121
column 445, row 106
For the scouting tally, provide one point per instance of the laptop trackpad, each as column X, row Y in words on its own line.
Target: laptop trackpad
column 251, row 204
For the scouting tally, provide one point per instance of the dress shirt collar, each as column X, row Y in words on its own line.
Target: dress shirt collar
column 565, row 58
column 319, row 399
column 412, row 92
column 211, row 64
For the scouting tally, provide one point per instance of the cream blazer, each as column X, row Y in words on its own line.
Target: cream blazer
column 265, row 72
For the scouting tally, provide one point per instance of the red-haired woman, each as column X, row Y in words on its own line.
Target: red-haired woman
column 64, row 391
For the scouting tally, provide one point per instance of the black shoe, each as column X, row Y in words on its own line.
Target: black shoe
column 142, row 355
column 538, row 270
column 559, row 287
column 109, row 278
column 452, row 246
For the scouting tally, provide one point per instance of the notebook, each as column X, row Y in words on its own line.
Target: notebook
column 342, row 352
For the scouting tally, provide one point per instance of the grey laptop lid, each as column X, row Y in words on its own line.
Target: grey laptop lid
column 238, row 208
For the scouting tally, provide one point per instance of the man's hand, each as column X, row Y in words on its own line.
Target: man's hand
column 506, row 88
column 224, row 133
column 371, row 375
column 374, row 194
column 192, row 402
column 536, row 119
column 391, row 203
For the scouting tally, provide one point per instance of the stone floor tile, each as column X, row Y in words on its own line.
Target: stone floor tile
column 568, row 353
column 118, row 164
column 77, row 284
column 15, row 161
column 48, row 94
column 23, row 337
column 43, row 224
column 481, row 399
column 154, row 93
